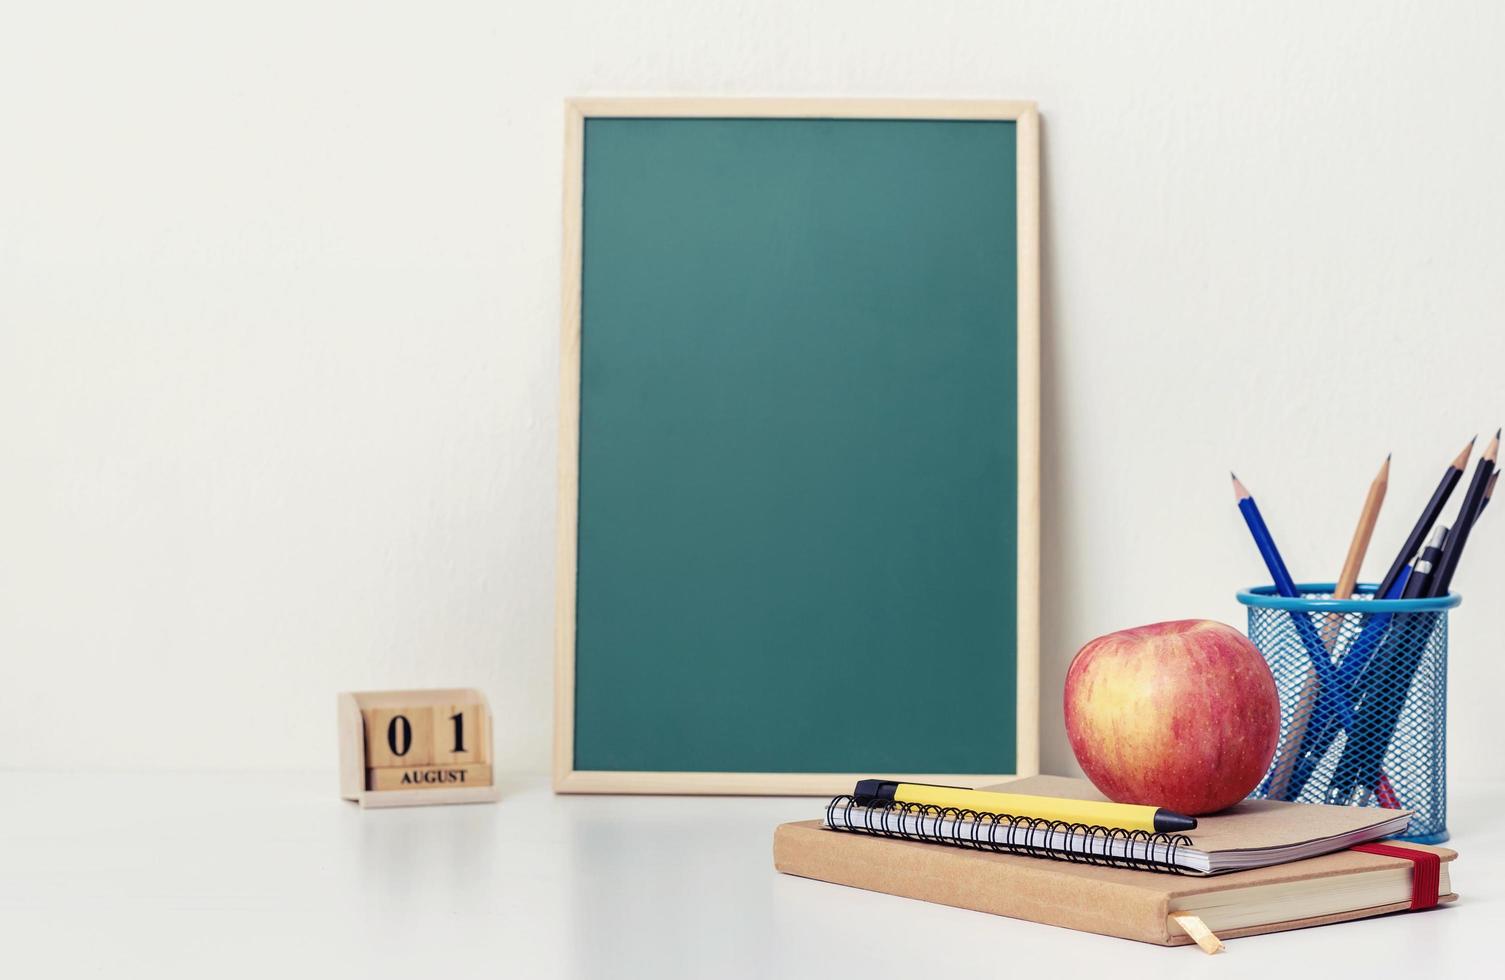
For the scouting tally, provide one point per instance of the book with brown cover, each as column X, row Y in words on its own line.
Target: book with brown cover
column 1109, row 901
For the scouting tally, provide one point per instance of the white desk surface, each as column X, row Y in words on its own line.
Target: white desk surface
column 271, row 874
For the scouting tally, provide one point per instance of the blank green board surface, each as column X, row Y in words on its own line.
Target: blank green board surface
column 797, row 506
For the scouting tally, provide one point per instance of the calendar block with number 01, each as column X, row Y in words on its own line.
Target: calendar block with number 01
column 409, row 748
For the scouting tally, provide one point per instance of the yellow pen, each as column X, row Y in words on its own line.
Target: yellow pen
column 1127, row 816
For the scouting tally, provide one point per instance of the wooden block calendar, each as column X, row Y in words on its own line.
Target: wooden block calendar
column 411, row 748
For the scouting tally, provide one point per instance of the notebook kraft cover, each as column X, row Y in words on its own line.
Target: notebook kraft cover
column 1108, row 901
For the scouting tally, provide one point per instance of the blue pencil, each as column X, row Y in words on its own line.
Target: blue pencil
column 1284, row 584
column 1370, row 636
column 1316, row 650
column 1329, row 702
column 1323, row 730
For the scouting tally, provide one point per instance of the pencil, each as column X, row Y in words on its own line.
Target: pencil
column 1473, row 502
column 1358, row 547
column 1284, row 584
column 1348, row 578
column 1279, row 574
column 1450, row 478
column 1489, row 491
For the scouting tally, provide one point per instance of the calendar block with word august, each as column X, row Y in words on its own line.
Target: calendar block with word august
column 409, row 748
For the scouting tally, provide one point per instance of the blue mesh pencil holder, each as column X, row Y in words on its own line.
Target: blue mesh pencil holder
column 1363, row 700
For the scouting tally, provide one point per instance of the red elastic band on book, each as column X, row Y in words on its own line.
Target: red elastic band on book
column 1426, row 872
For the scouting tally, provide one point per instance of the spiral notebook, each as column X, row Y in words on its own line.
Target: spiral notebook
column 1253, row 834
column 1076, row 891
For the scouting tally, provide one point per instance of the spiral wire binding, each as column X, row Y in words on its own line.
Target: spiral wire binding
column 1004, row 833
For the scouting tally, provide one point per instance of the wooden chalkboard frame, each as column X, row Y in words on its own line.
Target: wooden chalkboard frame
column 568, row 779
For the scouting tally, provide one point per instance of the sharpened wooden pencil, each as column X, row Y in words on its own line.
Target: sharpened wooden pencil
column 1468, row 513
column 1279, row 574
column 1423, row 526
column 1359, row 546
column 1489, row 491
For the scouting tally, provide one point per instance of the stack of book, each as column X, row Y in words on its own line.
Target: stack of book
column 1262, row 866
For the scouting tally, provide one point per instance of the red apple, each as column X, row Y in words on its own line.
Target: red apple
column 1181, row 715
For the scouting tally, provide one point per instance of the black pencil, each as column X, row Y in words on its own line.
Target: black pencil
column 1489, row 491
column 1429, row 514
column 1473, row 501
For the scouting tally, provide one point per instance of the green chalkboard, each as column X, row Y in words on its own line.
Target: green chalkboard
column 796, row 458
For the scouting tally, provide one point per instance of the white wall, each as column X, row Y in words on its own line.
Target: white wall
column 278, row 303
